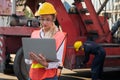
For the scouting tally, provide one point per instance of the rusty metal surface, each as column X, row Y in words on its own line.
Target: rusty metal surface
column 16, row 31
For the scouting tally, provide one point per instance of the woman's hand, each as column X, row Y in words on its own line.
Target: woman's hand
column 39, row 58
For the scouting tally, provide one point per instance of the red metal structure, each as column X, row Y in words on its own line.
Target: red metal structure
column 77, row 24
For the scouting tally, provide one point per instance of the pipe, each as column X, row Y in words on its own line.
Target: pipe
column 115, row 27
column 102, row 6
column 13, row 6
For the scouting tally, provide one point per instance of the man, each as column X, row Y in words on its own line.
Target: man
column 90, row 47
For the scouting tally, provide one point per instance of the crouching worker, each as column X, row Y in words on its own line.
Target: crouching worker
column 90, row 47
column 40, row 68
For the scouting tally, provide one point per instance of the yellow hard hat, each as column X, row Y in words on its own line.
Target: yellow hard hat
column 46, row 8
column 77, row 45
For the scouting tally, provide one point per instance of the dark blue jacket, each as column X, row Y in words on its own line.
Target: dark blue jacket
column 91, row 47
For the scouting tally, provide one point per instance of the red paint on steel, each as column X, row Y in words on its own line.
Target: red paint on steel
column 93, row 15
column 65, row 21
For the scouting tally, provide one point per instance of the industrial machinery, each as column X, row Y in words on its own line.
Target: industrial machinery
column 79, row 22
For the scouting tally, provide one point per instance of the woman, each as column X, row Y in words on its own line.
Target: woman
column 41, row 69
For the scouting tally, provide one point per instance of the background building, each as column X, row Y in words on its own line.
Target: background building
column 112, row 8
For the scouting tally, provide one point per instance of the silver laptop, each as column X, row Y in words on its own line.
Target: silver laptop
column 47, row 47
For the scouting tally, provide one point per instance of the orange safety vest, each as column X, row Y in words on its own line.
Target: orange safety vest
column 37, row 71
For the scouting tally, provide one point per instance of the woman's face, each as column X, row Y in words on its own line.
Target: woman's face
column 46, row 21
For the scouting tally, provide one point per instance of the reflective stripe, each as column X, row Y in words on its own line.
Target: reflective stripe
column 37, row 66
column 37, row 71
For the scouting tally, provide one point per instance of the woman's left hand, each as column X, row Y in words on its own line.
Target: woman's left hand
column 39, row 58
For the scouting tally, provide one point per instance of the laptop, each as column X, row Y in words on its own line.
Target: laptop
column 46, row 47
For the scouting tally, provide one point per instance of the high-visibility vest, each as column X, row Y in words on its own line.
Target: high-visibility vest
column 37, row 71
